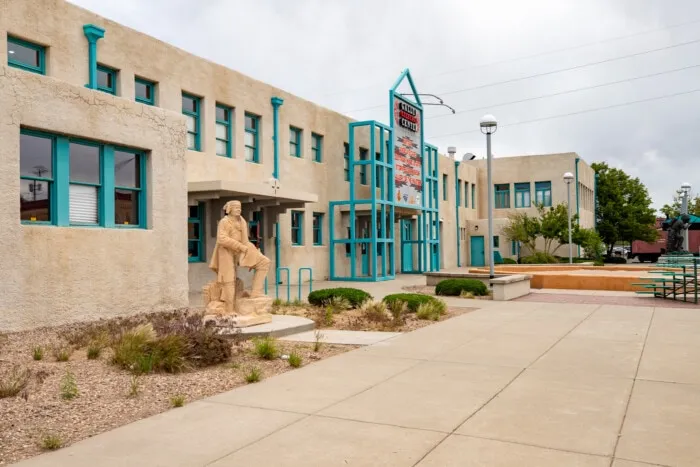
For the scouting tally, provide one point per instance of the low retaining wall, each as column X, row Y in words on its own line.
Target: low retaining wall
column 510, row 287
column 432, row 278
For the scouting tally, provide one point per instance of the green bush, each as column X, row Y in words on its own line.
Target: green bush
column 266, row 347
column 412, row 300
column 431, row 310
column 539, row 258
column 355, row 296
column 615, row 260
column 598, row 262
column 455, row 287
column 509, row 261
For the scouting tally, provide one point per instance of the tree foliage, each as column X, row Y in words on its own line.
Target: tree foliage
column 673, row 210
column 624, row 207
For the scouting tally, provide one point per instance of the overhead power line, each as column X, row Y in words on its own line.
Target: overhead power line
column 570, row 91
column 551, row 72
column 538, row 54
column 553, row 117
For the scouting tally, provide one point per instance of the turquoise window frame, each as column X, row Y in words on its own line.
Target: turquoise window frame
column 59, row 208
column 473, row 195
column 227, row 123
column 444, row 187
column 318, row 228
column 521, row 201
column 543, row 190
column 346, row 161
column 197, row 120
column 199, row 220
column 298, row 230
column 113, row 73
column 502, row 196
column 256, row 137
column 151, row 85
column 295, row 141
column 364, row 155
column 40, row 49
column 514, row 248
column 317, row 147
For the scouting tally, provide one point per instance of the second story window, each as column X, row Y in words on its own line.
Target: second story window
column 318, row 228
column 473, row 196
column 252, row 137
column 466, row 194
column 297, row 227
column 294, row 141
column 346, row 161
column 107, row 79
column 522, row 195
column 444, row 187
column 363, row 168
column 223, row 130
column 502, row 196
column 543, row 193
column 145, row 91
column 191, row 109
column 317, row 147
column 26, row 56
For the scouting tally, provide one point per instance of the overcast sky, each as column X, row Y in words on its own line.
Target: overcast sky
column 345, row 54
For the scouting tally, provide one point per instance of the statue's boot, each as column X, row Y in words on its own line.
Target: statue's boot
column 261, row 270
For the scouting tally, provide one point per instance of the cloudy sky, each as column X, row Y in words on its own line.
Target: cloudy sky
column 345, row 54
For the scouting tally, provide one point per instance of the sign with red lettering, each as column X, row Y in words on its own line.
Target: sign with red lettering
column 408, row 159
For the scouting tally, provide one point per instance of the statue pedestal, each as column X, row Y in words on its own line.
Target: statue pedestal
column 248, row 312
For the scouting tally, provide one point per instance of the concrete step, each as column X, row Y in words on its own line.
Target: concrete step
column 281, row 325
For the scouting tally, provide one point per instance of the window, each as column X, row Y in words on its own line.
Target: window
column 473, row 196
column 543, row 193
column 25, row 55
column 318, row 228
column 107, row 79
column 502, row 196
column 363, row 168
column 379, row 170
column 145, row 91
column 191, row 108
column 223, row 130
column 522, row 195
column 195, row 233
column 255, row 231
column 317, row 147
column 444, row 187
column 459, row 193
column 346, row 161
column 294, row 142
column 68, row 181
column 252, row 137
column 514, row 248
column 496, row 242
column 466, row 194
column 297, row 227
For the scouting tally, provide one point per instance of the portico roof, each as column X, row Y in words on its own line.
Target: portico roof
column 249, row 191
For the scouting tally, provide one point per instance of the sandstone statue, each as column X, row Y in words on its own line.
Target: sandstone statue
column 226, row 301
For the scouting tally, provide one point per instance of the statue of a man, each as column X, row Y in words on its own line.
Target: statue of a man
column 674, row 240
column 232, row 250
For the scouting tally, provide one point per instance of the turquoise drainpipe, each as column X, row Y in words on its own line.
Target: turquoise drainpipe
column 577, row 211
column 459, row 256
column 595, row 202
column 276, row 104
column 93, row 34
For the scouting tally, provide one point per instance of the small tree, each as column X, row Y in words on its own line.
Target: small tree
column 522, row 228
column 555, row 226
column 593, row 246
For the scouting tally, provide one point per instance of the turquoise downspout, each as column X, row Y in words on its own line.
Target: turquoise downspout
column 93, row 34
column 459, row 259
column 595, row 202
column 577, row 190
column 277, row 252
column 276, row 104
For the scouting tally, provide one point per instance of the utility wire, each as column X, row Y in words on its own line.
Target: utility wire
column 539, row 54
column 553, row 117
column 571, row 91
column 551, row 72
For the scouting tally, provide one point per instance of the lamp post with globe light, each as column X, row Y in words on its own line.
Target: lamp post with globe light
column 568, row 178
column 685, row 189
column 489, row 125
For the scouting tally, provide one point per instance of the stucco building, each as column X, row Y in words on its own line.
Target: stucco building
column 118, row 151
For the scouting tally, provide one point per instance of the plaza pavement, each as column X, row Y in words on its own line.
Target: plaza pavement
column 523, row 384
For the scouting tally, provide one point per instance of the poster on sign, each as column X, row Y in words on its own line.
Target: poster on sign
column 408, row 161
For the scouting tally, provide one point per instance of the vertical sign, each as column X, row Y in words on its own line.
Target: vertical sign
column 408, row 160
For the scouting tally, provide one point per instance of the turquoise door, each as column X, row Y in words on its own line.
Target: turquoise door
column 365, row 255
column 477, row 251
column 406, row 246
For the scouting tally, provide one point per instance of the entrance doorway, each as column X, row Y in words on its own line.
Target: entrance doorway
column 406, row 246
column 477, row 251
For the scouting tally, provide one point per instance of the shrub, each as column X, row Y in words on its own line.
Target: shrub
column 38, row 353
column 51, row 442
column 455, row 287
column 266, row 348
column 412, row 300
column 509, row 261
column 338, row 304
column 253, row 376
column 13, row 383
column 375, row 312
column 598, row 262
column 208, row 348
column 615, row 260
column 62, row 353
column 398, row 310
column 318, row 337
column 140, row 351
column 69, row 388
column 539, row 258
column 177, row 400
column 355, row 296
column 431, row 310
column 170, row 353
column 294, row 360
column 94, row 350
column 134, row 386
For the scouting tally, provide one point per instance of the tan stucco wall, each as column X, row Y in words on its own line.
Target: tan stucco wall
column 53, row 275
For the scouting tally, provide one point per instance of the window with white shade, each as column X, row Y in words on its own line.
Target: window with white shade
column 84, row 183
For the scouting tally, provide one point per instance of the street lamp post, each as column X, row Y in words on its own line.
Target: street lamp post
column 568, row 178
column 685, row 189
column 489, row 125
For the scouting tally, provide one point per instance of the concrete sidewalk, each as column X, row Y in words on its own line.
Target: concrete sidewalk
column 514, row 384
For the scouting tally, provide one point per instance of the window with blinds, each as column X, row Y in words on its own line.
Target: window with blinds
column 85, row 183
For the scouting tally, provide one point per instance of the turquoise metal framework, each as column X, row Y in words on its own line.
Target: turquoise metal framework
column 380, row 208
